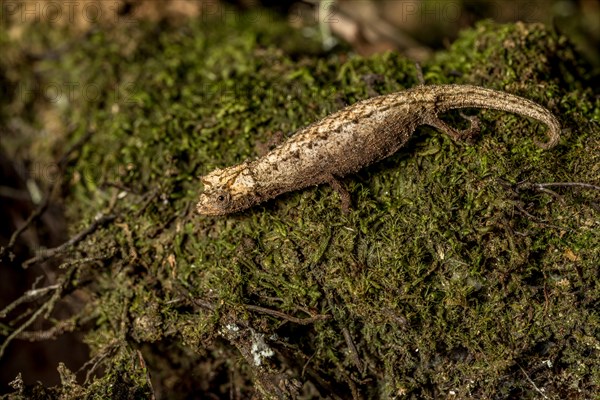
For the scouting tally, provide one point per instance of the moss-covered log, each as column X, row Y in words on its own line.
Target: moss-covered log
column 454, row 274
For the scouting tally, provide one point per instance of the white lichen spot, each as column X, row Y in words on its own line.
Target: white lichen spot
column 260, row 350
column 232, row 327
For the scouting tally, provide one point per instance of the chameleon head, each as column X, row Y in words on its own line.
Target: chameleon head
column 227, row 190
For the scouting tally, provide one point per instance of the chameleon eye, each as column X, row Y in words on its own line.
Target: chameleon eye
column 223, row 197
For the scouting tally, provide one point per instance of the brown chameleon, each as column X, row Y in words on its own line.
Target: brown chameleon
column 354, row 137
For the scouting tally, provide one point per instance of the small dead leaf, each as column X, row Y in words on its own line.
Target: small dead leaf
column 570, row 255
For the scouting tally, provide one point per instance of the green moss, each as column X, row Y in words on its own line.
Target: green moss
column 448, row 276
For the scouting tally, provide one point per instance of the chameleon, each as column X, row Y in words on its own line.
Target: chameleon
column 354, row 137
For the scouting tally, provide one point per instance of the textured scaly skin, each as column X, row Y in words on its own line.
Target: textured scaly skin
column 352, row 138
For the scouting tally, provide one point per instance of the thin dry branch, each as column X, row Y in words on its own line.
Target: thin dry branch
column 279, row 314
column 45, row 254
column 45, row 308
column 28, row 296
column 43, row 206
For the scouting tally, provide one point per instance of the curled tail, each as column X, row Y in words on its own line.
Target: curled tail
column 467, row 96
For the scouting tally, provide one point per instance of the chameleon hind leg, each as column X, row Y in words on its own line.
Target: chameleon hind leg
column 457, row 134
column 339, row 187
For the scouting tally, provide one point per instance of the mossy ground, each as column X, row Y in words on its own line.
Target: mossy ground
column 448, row 279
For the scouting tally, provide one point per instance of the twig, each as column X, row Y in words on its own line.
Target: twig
column 97, row 359
column 197, row 301
column 45, row 310
column 568, row 184
column 14, row 194
column 306, row 364
column 551, row 193
column 147, row 373
column 203, row 303
column 28, row 296
column 527, row 213
column 147, row 200
column 355, row 392
column 169, row 220
column 41, row 208
column 61, row 327
column 538, row 220
column 45, row 254
column 543, row 187
column 46, row 307
column 132, row 253
column 419, row 73
column 533, row 383
column 352, row 349
column 32, row 217
column 279, row 314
